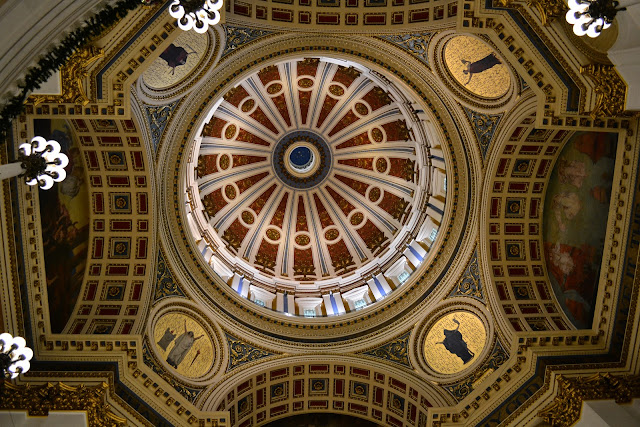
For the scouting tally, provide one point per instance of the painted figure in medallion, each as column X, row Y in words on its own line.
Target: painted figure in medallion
column 455, row 344
column 182, row 346
column 176, row 56
column 166, row 339
column 480, row 65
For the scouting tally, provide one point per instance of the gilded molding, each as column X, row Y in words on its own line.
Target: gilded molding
column 610, row 89
column 188, row 393
column 566, row 407
column 72, row 74
column 38, row 400
column 548, row 9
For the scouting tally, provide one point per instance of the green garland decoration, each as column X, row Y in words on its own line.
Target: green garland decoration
column 59, row 55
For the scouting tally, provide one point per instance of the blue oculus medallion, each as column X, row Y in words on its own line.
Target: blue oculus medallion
column 302, row 159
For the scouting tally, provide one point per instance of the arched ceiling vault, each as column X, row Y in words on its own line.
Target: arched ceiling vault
column 418, row 213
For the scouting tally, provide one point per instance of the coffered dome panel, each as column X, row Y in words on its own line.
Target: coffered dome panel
column 307, row 172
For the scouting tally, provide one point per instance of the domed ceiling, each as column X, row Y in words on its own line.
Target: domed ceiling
column 307, row 172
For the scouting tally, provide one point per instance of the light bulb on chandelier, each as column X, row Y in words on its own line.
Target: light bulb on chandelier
column 196, row 14
column 591, row 17
column 14, row 355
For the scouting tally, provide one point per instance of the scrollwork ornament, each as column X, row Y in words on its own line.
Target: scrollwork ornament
column 38, row 400
column 610, row 89
column 396, row 351
column 241, row 352
column 548, row 9
column 566, row 407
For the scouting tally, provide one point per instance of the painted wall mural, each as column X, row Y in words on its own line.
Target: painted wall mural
column 177, row 61
column 454, row 342
column 64, row 212
column 476, row 67
column 575, row 221
column 184, row 344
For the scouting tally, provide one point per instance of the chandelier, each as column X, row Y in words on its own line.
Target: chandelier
column 14, row 355
column 591, row 17
column 196, row 14
column 40, row 163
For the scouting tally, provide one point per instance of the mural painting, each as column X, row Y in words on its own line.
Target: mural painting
column 177, row 61
column 575, row 221
column 476, row 67
column 184, row 344
column 64, row 214
column 454, row 342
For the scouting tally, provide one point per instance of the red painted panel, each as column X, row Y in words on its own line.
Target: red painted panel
column 517, row 271
column 142, row 203
column 495, row 207
column 542, row 290
column 136, row 291
column 98, row 203
column 118, row 181
column 142, row 248
column 318, row 369
column 98, row 247
column 397, row 384
column 502, row 167
column 514, row 228
column 534, row 250
column 117, row 270
column 120, row 225
column 377, row 395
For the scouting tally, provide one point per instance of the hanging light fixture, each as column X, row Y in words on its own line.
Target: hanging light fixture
column 40, row 162
column 196, row 14
column 14, row 355
column 591, row 17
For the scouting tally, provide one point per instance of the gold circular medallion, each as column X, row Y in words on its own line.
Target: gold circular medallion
column 247, row 105
column 377, row 135
column 361, row 109
column 336, row 90
column 477, row 67
column 274, row 88
column 184, row 344
column 374, row 194
column 302, row 239
column 273, row 234
column 230, row 191
column 247, row 217
column 230, row 131
column 224, row 161
column 357, row 218
column 305, row 83
column 454, row 342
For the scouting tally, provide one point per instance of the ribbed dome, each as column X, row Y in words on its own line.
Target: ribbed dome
column 309, row 170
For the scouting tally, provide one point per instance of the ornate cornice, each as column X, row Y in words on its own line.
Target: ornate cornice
column 72, row 75
column 38, row 400
column 567, row 405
